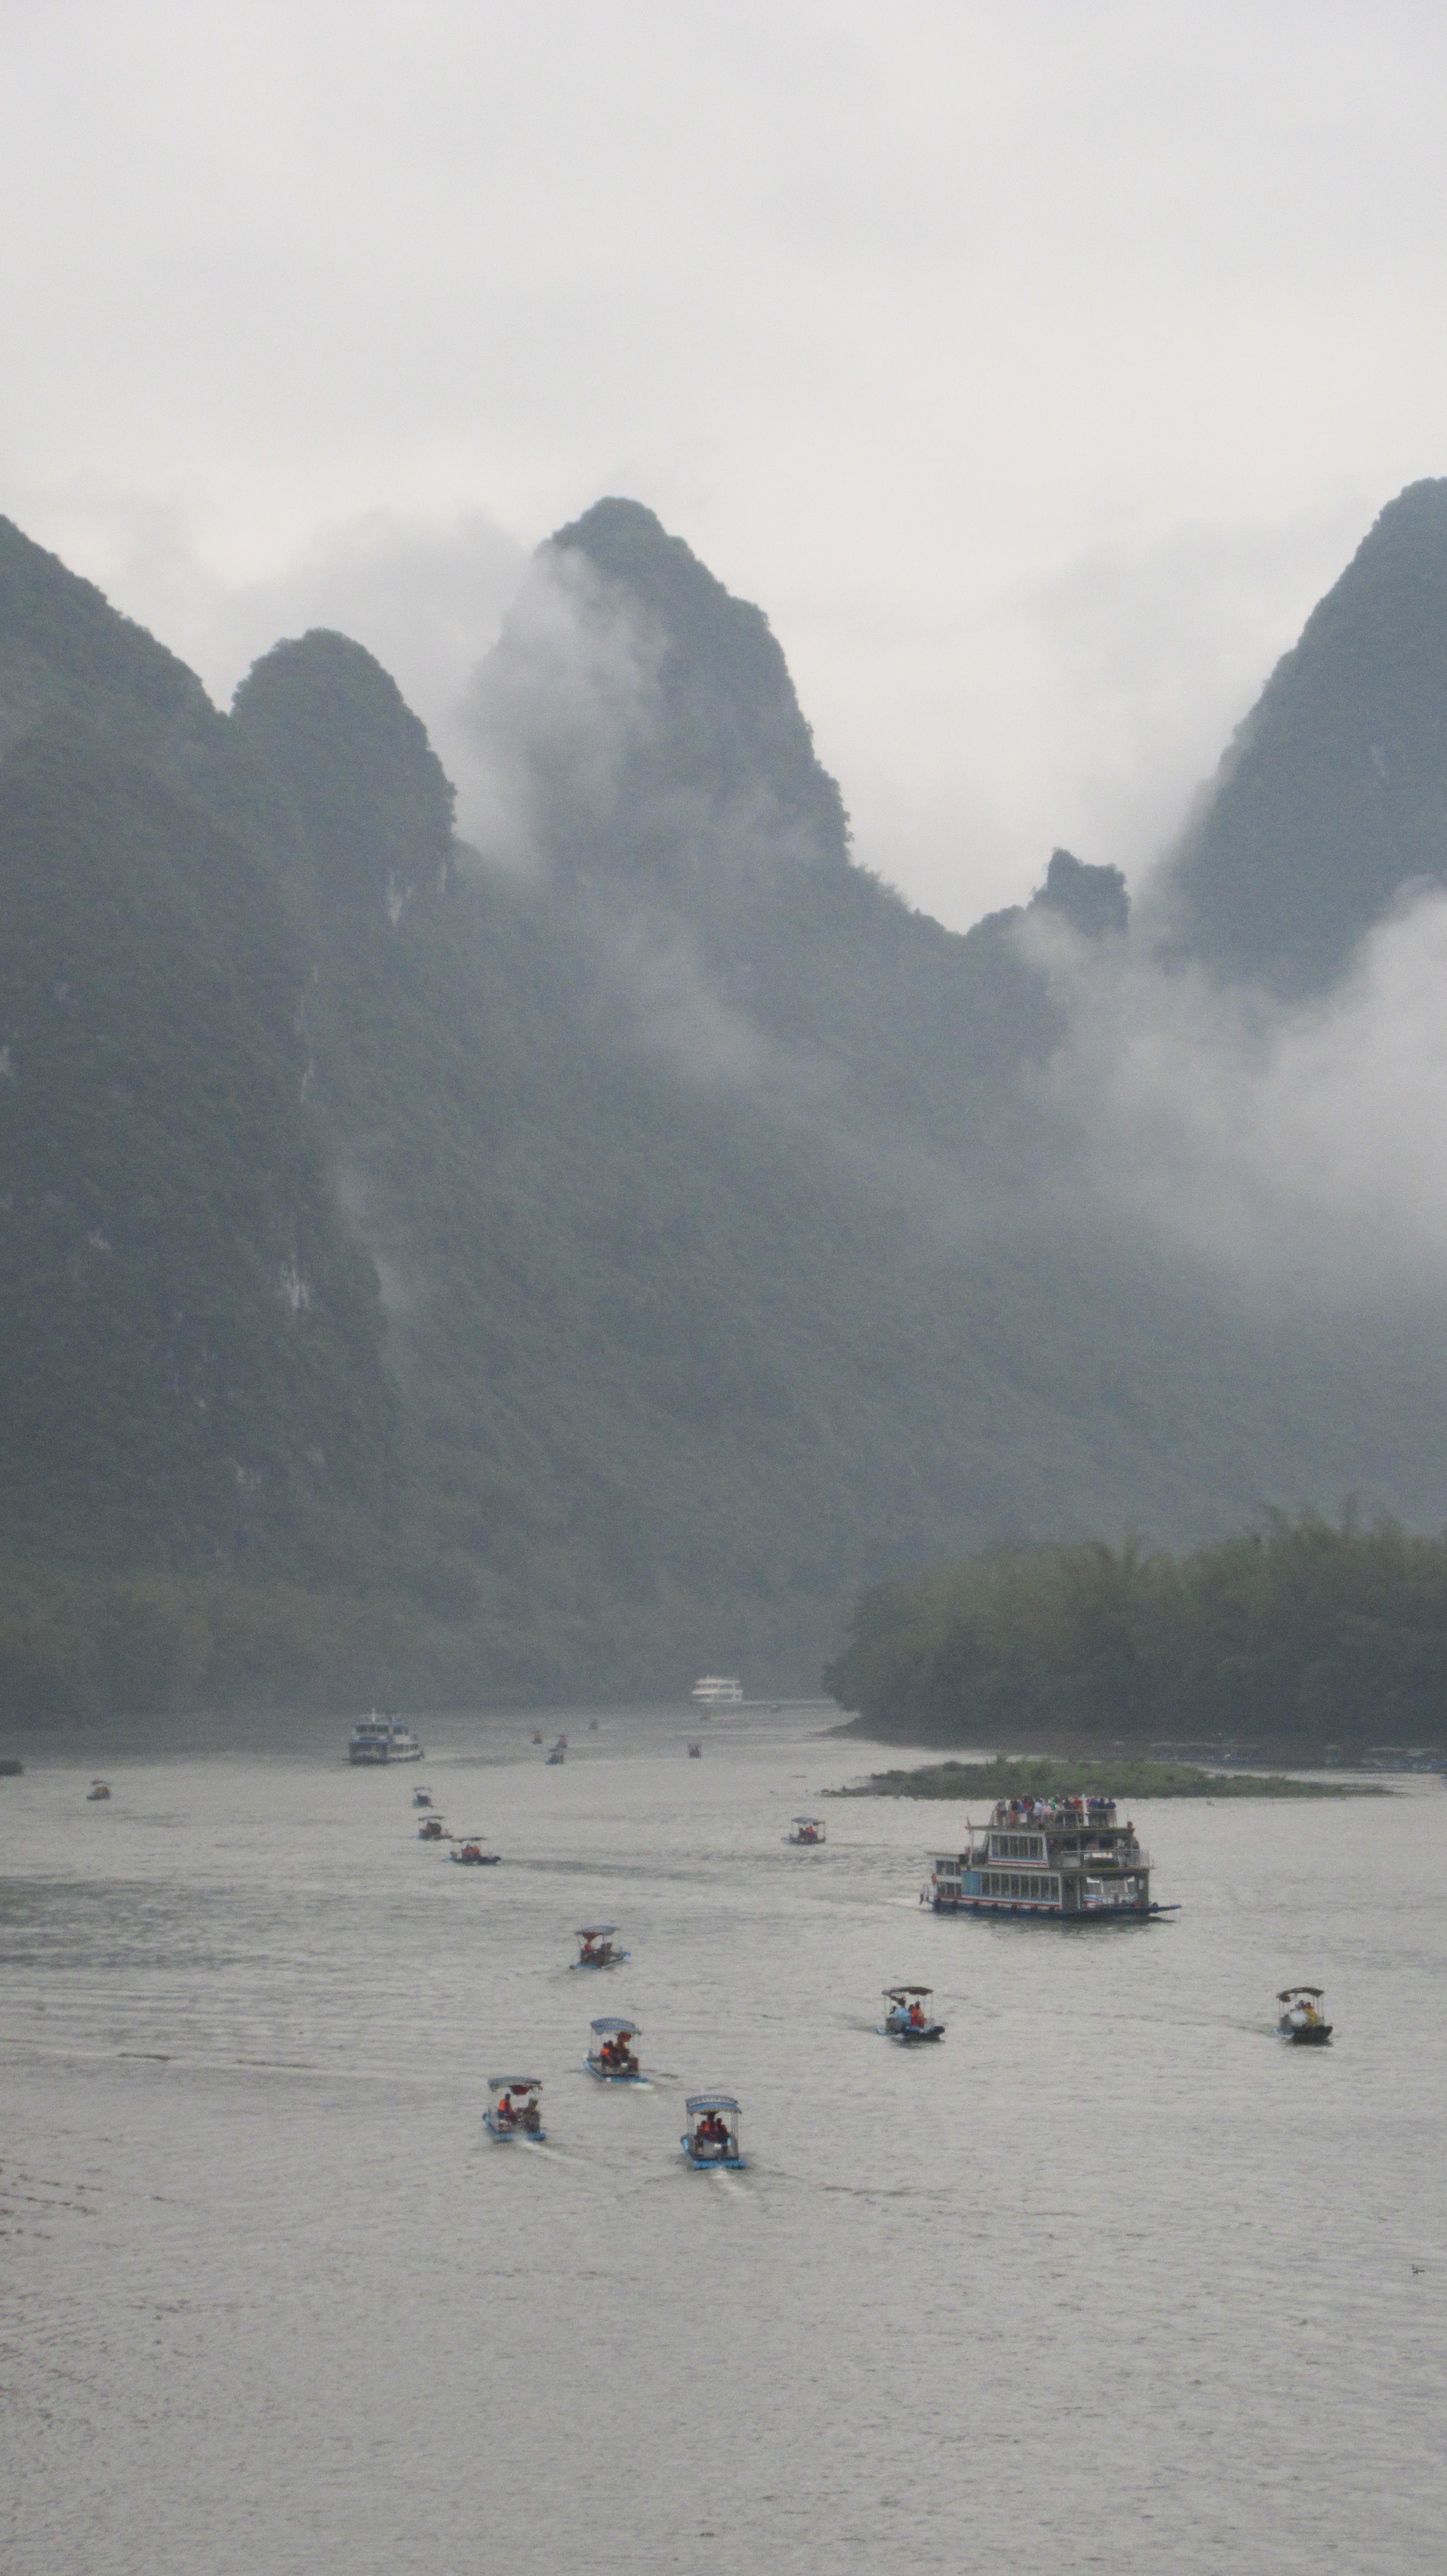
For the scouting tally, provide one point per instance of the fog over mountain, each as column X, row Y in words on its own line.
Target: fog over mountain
column 551, row 1226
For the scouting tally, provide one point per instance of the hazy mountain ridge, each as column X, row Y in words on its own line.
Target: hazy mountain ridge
column 575, row 1268
column 1333, row 796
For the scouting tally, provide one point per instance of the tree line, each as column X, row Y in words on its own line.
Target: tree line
column 1301, row 1632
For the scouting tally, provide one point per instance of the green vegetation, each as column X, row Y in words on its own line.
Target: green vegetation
column 427, row 1283
column 1297, row 1633
column 1040, row 1776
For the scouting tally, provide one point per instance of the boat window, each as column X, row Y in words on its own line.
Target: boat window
column 1036, row 1884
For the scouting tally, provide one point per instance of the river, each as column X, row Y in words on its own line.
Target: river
column 1111, row 2280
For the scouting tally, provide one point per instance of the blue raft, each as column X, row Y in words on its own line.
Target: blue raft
column 711, row 2139
column 613, row 2060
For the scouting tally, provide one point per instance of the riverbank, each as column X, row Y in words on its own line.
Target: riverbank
column 1045, row 1776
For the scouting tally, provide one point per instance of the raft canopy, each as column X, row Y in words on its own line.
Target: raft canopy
column 710, row 2102
column 1289, row 1994
column 905, row 1994
column 514, row 2083
column 610, row 2022
column 595, row 1931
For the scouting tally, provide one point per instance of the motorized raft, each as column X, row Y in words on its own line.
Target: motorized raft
column 421, row 1797
column 597, row 1947
column 470, row 1855
column 910, row 2016
column 431, row 1830
column 1301, row 2018
column 712, row 2135
column 515, row 2110
column 807, row 1831
column 613, row 2057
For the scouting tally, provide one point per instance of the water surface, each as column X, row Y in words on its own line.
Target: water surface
column 1110, row 2280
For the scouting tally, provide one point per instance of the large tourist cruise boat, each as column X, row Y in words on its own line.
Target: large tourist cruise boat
column 383, row 1739
column 717, row 1690
column 1067, row 1858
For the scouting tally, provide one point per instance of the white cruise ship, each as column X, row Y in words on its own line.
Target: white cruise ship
column 717, row 1690
column 383, row 1739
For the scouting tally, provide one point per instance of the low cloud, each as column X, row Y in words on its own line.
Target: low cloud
column 538, row 741
column 1297, row 1149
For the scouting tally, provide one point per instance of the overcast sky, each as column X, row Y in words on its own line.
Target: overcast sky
column 1034, row 363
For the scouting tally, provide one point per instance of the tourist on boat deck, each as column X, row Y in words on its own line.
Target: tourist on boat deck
column 916, row 2018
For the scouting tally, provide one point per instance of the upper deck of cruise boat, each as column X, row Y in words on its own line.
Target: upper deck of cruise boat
column 1039, row 1829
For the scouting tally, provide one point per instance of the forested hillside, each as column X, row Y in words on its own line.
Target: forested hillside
column 435, row 1272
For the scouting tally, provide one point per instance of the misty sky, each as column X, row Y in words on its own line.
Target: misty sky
column 1034, row 363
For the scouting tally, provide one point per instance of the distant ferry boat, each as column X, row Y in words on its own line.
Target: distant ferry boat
column 717, row 1690
column 1061, row 1857
column 383, row 1739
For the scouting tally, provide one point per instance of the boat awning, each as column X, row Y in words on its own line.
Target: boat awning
column 899, row 1994
column 610, row 2022
column 710, row 2102
column 514, row 2083
column 594, row 1931
column 1288, row 1991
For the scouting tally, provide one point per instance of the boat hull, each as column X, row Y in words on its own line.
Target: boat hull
column 710, row 2164
column 611, row 2075
column 616, row 1961
column 476, row 1860
column 506, row 2137
column 1307, row 2038
column 911, row 2038
column 995, row 1909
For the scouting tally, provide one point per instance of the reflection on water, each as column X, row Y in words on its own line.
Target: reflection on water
column 1110, row 2280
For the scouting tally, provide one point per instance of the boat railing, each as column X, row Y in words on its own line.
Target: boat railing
column 1119, row 1856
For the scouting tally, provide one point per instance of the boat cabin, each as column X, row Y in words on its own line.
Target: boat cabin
column 717, row 1690
column 597, row 1946
column 613, row 2057
column 515, row 2109
column 910, row 2014
column 806, row 1830
column 1301, row 2016
column 431, row 1830
column 712, row 2135
column 382, row 1739
column 1067, row 1858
